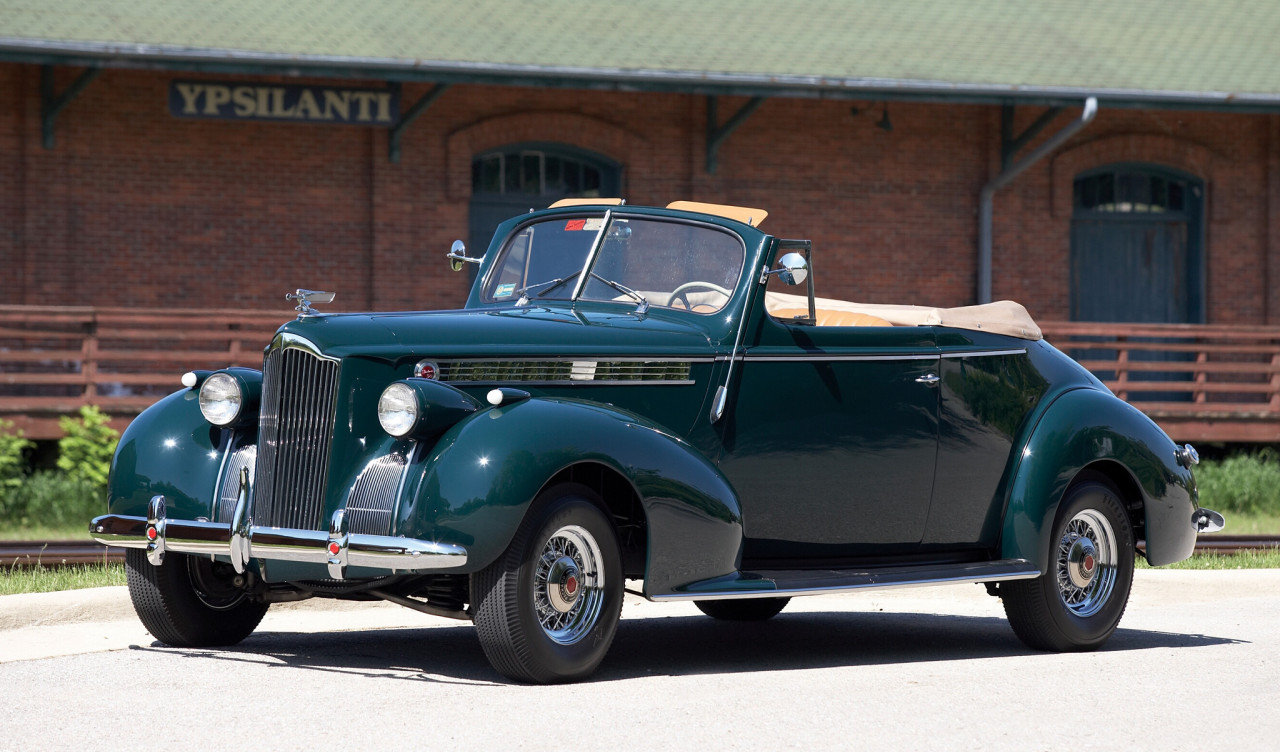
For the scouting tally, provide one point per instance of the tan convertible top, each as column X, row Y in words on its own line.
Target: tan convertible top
column 1001, row 317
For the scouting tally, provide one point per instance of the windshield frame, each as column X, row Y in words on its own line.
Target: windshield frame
column 609, row 216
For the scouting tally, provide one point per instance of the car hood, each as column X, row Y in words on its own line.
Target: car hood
column 531, row 332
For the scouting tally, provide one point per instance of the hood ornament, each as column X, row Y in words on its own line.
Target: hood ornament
column 306, row 297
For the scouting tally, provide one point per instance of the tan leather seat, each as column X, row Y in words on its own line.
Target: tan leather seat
column 827, row 317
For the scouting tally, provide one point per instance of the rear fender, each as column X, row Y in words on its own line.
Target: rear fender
column 1091, row 429
column 478, row 481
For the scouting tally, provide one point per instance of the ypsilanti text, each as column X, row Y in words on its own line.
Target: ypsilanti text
column 291, row 103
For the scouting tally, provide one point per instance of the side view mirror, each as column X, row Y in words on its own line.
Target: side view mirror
column 458, row 256
column 793, row 269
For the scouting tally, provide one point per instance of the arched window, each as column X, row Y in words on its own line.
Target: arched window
column 519, row 177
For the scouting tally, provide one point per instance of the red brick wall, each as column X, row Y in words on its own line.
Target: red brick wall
column 135, row 207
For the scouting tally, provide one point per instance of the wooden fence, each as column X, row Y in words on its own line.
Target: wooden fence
column 53, row 360
column 1201, row 383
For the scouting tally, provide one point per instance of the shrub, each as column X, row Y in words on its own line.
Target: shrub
column 55, row 499
column 12, row 464
column 1241, row 483
column 84, row 454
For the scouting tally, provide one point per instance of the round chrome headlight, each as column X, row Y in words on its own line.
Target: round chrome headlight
column 398, row 409
column 221, row 399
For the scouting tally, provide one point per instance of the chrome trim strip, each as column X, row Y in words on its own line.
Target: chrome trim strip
column 597, row 358
column 984, row 353
column 585, row 274
column 578, row 382
column 281, row 544
column 415, row 453
column 823, row 358
column 293, row 341
column 1018, row 569
column 810, row 358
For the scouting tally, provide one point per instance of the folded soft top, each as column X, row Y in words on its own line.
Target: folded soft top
column 1001, row 317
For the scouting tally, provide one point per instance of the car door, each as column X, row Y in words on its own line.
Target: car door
column 831, row 440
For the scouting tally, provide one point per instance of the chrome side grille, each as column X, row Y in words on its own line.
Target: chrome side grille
column 299, row 394
column 373, row 497
column 229, row 485
column 566, row 372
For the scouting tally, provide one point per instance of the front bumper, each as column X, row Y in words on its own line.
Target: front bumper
column 242, row 541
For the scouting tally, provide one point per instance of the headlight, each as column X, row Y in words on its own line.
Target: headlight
column 221, row 399
column 398, row 409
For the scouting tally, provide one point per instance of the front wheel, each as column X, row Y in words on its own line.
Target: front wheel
column 190, row 601
column 1078, row 602
column 547, row 609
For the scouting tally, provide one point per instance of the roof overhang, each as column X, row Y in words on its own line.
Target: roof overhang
column 231, row 61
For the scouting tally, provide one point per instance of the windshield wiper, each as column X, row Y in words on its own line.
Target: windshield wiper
column 524, row 291
column 644, row 304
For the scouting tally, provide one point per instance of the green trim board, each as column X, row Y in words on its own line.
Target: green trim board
column 1180, row 53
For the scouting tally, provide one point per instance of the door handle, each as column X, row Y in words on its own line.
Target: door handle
column 928, row 378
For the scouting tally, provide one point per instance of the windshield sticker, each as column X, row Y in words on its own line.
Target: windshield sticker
column 505, row 291
column 584, row 224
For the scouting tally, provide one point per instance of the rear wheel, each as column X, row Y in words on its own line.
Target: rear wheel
column 1078, row 602
column 548, row 608
column 745, row 609
column 190, row 601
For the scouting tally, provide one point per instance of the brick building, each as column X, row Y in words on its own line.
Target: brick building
column 158, row 154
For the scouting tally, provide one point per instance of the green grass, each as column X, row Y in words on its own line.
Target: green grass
column 39, row 580
column 1244, row 523
column 1241, row 483
column 45, row 532
column 1268, row 559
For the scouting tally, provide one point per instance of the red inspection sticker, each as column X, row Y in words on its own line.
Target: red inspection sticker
column 575, row 224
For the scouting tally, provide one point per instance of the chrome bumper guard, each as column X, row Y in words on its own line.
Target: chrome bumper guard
column 242, row 541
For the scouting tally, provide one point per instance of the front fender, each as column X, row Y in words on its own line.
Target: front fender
column 169, row 449
column 1086, row 428
column 480, row 478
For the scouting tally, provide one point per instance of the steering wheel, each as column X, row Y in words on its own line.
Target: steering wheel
column 682, row 292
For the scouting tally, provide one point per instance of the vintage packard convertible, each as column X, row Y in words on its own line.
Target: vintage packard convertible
column 630, row 395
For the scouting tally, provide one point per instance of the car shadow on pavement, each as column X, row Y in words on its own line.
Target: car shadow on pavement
column 681, row 645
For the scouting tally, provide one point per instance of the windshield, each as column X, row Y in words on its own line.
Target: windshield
column 663, row 263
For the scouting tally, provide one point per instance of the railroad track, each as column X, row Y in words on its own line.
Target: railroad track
column 65, row 552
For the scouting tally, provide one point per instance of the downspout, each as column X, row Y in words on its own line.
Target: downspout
column 987, row 196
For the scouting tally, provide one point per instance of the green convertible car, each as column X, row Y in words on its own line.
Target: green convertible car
column 630, row 394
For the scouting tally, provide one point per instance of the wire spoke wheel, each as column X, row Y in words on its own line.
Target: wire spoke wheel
column 1086, row 563
column 568, row 590
column 547, row 609
column 1077, row 603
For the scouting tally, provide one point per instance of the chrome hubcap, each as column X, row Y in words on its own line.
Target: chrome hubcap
column 563, row 585
column 1082, row 562
column 568, row 585
column 1087, row 559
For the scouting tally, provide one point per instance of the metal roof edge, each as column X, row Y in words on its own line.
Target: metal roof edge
column 112, row 54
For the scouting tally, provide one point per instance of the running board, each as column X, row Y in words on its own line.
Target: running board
column 792, row 583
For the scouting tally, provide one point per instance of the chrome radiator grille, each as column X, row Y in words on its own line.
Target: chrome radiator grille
column 374, row 495
column 229, row 486
column 299, row 391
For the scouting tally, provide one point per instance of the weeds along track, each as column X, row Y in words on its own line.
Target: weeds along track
column 60, row 553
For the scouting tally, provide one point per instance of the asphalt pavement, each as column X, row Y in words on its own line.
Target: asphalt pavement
column 1192, row 667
